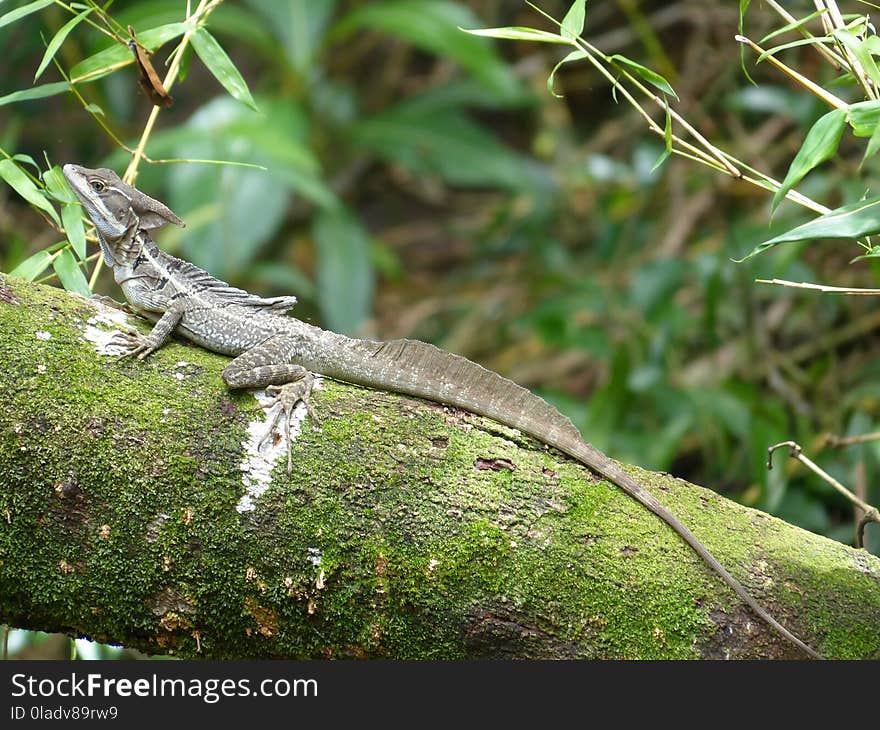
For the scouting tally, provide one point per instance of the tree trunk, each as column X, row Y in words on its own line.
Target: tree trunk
column 134, row 509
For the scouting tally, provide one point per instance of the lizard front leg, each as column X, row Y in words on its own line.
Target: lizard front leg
column 268, row 366
column 141, row 346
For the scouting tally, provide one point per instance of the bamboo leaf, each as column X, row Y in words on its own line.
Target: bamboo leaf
column 792, row 44
column 57, row 186
column 58, row 39
column 70, row 274
column 863, row 117
column 518, row 33
column 872, row 45
column 37, row 92
column 26, row 159
column 22, row 184
column 33, row 266
column 551, row 79
column 743, row 7
column 874, row 253
column 24, row 10
column 849, row 221
column 820, row 145
column 873, row 145
column 218, row 63
column 573, row 22
column 652, row 77
column 667, row 139
column 790, row 26
column 861, row 51
column 71, row 216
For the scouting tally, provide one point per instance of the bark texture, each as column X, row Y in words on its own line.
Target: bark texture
column 131, row 513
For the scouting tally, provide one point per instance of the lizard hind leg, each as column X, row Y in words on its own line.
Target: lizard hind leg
column 288, row 384
column 288, row 396
column 266, row 364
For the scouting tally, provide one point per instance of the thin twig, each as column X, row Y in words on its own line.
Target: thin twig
column 809, row 85
column 858, row 71
column 796, row 452
column 835, row 441
column 831, row 56
column 851, row 291
column 772, row 184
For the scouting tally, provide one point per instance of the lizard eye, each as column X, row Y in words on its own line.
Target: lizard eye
column 97, row 186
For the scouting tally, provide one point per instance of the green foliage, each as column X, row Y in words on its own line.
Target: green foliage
column 818, row 147
column 857, row 45
column 573, row 22
column 215, row 58
column 430, row 139
column 14, row 15
column 652, row 77
column 433, row 25
column 343, row 273
column 37, row 92
column 849, row 221
column 34, row 265
column 58, row 39
column 69, row 273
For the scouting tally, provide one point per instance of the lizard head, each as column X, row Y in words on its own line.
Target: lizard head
column 115, row 207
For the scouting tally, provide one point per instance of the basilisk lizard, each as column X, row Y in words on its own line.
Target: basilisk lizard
column 280, row 353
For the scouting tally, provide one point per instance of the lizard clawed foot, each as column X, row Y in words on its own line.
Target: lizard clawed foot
column 135, row 343
column 289, row 396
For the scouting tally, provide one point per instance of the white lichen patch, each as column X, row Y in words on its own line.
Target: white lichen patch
column 258, row 462
column 102, row 329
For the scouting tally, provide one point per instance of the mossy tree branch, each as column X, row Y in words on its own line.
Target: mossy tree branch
column 404, row 530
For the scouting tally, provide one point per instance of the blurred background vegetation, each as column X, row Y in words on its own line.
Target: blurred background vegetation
column 423, row 183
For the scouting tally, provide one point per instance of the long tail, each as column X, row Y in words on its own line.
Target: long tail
column 419, row 369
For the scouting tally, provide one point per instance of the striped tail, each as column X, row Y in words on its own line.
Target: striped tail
column 423, row 370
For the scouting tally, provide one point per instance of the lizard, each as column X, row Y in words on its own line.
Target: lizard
column 281, row 353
